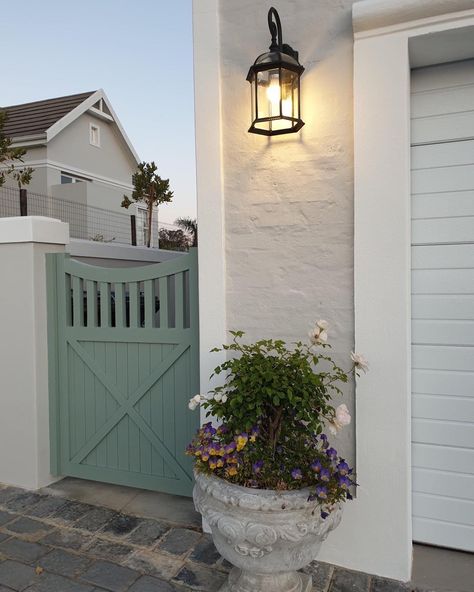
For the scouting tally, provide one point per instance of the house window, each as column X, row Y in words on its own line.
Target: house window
column 68, row 178
column 94, row 135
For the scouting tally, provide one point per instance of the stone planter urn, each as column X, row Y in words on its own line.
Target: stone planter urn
column 266, row 535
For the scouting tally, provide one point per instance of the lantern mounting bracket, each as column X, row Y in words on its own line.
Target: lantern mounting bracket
column 274, row 24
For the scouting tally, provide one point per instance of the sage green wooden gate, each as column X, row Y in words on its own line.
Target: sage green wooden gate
column 123, row 363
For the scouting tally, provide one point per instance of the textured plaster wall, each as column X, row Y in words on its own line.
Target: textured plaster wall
column 289, row 200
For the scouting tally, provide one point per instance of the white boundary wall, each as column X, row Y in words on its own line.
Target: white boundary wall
column 24, row 404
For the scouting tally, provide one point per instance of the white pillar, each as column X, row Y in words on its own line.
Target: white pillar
column 24, row 408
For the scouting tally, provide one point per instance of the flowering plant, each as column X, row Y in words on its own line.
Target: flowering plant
column 274, row 407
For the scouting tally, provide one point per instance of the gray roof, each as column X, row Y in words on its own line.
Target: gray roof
column 35, row 118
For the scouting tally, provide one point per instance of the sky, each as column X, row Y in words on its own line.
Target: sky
column 138, row 51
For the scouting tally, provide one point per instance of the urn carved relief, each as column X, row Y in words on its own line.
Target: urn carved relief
column 266, row 535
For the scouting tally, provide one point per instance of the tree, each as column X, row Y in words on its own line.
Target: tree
column 173, row 240
column 189, row 225
column 10, row 157
column 148, row 188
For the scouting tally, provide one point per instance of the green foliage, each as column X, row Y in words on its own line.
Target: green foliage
column 149, row 188
column 271, row 384
column 10, row 157
column 173, row 240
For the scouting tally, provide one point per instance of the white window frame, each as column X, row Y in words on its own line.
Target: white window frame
column 74, row 178
column 376, row 534
column 94, row 126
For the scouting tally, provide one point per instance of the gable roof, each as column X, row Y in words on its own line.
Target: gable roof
column 28, row 122
column 37, row 117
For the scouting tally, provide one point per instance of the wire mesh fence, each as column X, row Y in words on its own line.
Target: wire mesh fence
column 85, row 222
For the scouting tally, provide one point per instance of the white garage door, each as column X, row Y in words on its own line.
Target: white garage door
column 443, row 305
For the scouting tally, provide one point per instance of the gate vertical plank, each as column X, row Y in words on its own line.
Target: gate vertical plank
column 179, row 301
column 78, row 302
column 134, row 290
column 91, row 303
column 105, row 307
column 149, row 289
column 120, row 311
column 163, row 291
column 53, row 365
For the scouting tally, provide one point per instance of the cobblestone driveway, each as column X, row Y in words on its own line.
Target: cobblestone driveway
column 52, row 544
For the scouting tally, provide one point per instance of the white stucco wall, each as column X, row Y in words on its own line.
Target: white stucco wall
column 289, row 200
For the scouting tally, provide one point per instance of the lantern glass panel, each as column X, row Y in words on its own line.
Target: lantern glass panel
column 277, row 99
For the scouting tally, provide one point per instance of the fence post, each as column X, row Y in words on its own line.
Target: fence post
column 23, row 202
column 133, row 223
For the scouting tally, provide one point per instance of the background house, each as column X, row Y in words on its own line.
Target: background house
column 77, row 147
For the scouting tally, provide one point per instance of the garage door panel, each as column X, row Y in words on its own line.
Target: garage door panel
column 444, row 433
column 431, row 456
column 442, row 256
column 443, row 155
column 443, row 534
column 441, row 407
column 460, row 332
column 442, row 358
column 440, row 382
column 443, row 128
column 442, row 205
column 443, row 281
column 454, row 178
column 443, row 508
column 439, row 307
column 443, row 76
column 442, row 162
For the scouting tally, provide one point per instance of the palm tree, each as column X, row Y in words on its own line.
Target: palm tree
column 189, row 225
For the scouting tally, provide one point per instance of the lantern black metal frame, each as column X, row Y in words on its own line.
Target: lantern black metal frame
column 280, row 57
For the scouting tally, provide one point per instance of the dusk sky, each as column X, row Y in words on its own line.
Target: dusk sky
column 139, row 52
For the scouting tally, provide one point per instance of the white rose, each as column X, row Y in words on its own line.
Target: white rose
column 318, row 334
column 343, row 417
column 195, row 402
column 218, row 397
column 224, row 398
column 360, row 362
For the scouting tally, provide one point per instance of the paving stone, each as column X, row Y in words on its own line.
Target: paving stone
column 4, row 537
column 109, row 550
column 200, row 578
column 64, row 563
column 95, row 519
column 2, row 589
column 149, row 584
column 349, row 581
column 22, row 550
column 71, row 511
column 205, row 551
column 321, row 574
column 148, row 532
column 154, row 563
column 45, row 507
column 31, row 528
column 108, row 575
column 179, row 541
column 16, row 576
column 122, row 524
column 6, row 517
column 7, row 493
column 21, row 501
column 69, row 539
column 48, row 582
column 383, row 585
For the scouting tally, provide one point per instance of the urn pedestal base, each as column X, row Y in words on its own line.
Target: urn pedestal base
column 242, row 581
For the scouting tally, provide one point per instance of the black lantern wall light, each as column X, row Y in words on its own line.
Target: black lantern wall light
column 275, row 81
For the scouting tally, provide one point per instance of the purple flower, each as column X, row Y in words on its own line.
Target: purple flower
column 321, row 492
column 325, row 475
column 344, row 482
column 324, row 440
column 257, row 466
column 315, row 466
column 324, row 515
column 254, row 433
column 343, row 468
column 296, row 474
column 229, row 448
column 348, row 495
column 331, row 452
column 208, row 429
